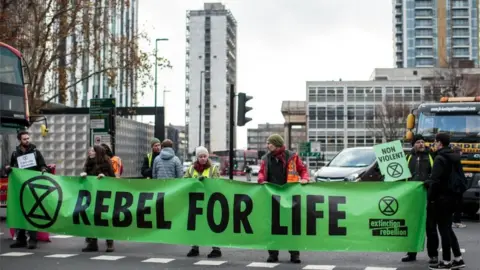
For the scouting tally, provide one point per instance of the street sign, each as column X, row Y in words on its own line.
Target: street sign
column 392, row 161
column 100, row 112
column 304, row 147
column 100, row 109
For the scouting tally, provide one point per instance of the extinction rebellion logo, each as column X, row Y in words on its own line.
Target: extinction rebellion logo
column 41, row 199
column 388, row 206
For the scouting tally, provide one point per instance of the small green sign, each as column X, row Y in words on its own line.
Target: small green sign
column 392, row 161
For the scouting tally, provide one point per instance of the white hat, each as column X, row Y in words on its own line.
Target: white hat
column 201, row 151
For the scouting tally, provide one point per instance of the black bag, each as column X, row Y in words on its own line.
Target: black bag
column 458, row 183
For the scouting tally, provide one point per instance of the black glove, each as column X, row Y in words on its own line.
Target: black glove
column 200, row 178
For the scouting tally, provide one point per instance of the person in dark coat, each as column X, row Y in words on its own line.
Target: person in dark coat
column 32, row 159
column 97, row 164
column 420, row 163
column 443, row 200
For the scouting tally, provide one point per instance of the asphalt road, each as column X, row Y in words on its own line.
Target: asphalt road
column 64, row 252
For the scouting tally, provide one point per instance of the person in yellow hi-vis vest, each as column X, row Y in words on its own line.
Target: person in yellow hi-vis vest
column 420, row 163
column 150, row 157
column 203, row 168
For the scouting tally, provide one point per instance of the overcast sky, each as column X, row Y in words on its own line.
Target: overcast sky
column 281, row 44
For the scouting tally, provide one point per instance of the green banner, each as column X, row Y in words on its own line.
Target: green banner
column 318, row 216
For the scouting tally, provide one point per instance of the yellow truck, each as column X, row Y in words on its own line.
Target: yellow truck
column 459, row 117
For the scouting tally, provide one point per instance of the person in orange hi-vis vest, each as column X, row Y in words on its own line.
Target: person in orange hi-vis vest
column 117, row 163
column 280, row 166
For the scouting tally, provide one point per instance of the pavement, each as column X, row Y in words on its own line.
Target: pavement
column 64, row 252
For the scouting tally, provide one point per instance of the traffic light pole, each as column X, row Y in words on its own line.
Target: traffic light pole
column 232, row 128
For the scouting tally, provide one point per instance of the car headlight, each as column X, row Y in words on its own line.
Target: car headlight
column 352, row 178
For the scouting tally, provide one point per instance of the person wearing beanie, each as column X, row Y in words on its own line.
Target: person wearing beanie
column 203, row 168
column 150, row 157
column 420, row 163
column 280, row 166
column 167, row 165
column 443, row 198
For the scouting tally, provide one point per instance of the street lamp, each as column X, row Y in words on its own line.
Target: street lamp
column 156, row 66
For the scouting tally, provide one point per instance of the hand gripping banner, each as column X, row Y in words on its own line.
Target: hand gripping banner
column 218, row 212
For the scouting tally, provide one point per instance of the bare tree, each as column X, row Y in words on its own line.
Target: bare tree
column 67, row 42
column 389, row 120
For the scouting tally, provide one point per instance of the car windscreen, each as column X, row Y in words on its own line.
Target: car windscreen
column 353, row 158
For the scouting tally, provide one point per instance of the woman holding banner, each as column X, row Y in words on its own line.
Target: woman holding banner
column 203, row 168
column 97, row 164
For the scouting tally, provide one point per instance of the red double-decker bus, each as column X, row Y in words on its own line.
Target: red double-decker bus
column 240, row 158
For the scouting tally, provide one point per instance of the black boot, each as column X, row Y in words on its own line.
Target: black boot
column 295, row 258
column 216, row 253
column 272, row 258
column 32, row 244
column 19, row 244
column 110, row 247
column 193, row 252
column 92, row 246
column 409, row 258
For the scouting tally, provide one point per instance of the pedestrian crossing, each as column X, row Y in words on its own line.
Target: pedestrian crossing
column 167, row 261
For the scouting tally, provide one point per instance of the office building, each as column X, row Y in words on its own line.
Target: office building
column 210, row 69
column 343, row 114
column 112, row 39
column 177, row 135
column 430, row 33
column 257, row 137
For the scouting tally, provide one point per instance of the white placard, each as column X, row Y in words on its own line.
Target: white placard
column 26, row 161
column 97, row 123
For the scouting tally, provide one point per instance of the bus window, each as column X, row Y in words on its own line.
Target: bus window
column 10, row 67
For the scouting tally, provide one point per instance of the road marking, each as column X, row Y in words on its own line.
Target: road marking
column 62, row 256
column 1, row 233
column 16, row 254
column 61, row 236
column 158, row 260
column 107, row 258
column 205, row 262
column 319, row 267
column 461, row 250
column 379, row 268
column 261, row 264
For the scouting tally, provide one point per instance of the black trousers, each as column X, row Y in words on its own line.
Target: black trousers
column 432, row 235
column 444, row 208
column 457, row 215
column 275, row 253
column 22, row 237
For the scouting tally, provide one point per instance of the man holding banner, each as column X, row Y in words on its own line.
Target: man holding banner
column 420, row 163
column 280, row 166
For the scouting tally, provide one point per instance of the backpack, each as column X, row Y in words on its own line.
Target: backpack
column 458, row 183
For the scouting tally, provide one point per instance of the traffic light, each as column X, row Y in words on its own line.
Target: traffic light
column 242, row 119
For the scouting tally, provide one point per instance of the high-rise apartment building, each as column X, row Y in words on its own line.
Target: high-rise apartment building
column 210, row 69
column 434, row 33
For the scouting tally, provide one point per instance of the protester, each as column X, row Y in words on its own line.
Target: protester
column 32, row 159
column 117, row 163
column 280, row 166
column 146, row 169
column 167, row 165
column 420, row 163
column 441, row 196
column 203, row 168
column 97, row 164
